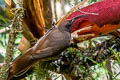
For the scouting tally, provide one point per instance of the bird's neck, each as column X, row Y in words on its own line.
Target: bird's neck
column 68, row 28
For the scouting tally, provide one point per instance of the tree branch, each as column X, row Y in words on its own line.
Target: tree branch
column 9, row 51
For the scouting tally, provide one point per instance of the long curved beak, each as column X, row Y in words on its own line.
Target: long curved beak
column 70, row 22
column 75, row 18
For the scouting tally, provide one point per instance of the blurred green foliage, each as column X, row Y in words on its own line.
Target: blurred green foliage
column 3, row 17
column 2, row 3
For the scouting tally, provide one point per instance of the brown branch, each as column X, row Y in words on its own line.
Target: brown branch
column 33, row 17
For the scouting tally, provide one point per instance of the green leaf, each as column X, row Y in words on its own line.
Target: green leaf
column 3, row 19
column 116, row 55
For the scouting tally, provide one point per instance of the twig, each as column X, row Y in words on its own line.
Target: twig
column 57, row 77
column 88, row 13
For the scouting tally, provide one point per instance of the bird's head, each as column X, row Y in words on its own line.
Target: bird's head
column 68, row 23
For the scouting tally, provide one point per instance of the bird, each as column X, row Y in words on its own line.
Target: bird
column 48, row 47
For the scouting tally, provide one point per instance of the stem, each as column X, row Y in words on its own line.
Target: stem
column 9, row 51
